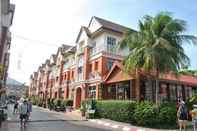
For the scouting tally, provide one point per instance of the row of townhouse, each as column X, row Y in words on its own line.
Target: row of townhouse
column 93, row 69
column 6, row 17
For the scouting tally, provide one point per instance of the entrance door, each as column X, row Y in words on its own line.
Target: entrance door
column 78, row 97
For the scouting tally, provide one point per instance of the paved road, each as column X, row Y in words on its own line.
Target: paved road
column 42, row 120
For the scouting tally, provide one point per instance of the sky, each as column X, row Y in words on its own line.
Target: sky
column 41, row 26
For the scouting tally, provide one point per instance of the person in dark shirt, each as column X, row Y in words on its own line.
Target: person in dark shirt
column 15, row 107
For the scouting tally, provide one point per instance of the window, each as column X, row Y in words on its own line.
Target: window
column 90, row 67
column 111, row 43
column 92, row 92
column 72, row 74
column 96, row 65
column 57, row 78
column 64, row 76
column 80, row 60
column 119, row 91
column 109, row 64
column 66, row 64
column 194, row 91
column 80, row 70
column 93, row 49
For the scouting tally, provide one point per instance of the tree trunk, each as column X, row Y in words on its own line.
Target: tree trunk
column 137, row 85
column 156, row 91
column 157, row 88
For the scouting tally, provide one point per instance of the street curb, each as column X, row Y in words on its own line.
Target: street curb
column 117, row 126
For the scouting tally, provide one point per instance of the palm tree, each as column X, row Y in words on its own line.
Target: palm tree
column 187, row 71
column 157, row 48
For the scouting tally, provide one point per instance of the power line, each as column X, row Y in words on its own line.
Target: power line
column 35, row 41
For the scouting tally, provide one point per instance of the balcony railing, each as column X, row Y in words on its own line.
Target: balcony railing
column 80, row 51
column 108, row 49
column 80, row 62
column 80, row 77
column 65, row 82
column 96, row 75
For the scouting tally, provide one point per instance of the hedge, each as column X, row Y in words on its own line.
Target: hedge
column 190, row 102
column 115, row 110
column 67, row 102
column 167, row 114
column 145, row 113
column 138, row 113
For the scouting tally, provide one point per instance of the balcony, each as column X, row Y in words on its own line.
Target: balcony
column 80, row 51
column 94, row 76
column 65, row 82
column 108, row 50
column 80, row 77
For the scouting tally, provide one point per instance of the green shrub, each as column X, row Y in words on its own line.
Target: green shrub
column 145, row 114
column 116, row 110
column 67, row 102
column 51, row 104
column 142, row 113
column 34, row 100
column 39, row 102
column 58, row 102
column 83, row 107
column 167, row 114
column 191, row 102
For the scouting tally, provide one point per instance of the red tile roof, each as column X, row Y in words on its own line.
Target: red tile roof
column 182, row 79
column 190, row 80
column 111, row 25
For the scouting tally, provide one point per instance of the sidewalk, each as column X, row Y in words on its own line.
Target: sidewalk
column 106, row 123
column 120, row 126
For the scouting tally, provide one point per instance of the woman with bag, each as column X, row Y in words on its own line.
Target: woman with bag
column 182, row 116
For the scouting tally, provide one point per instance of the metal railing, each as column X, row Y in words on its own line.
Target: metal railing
column 111, row 50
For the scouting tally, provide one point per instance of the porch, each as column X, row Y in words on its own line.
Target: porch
column 121, row 85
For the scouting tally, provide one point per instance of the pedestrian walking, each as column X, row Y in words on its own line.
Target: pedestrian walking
column 15, row 110
column 29, row 108
column 23, row 111
column 182, row 115
column 178, row 103
column 194, row 117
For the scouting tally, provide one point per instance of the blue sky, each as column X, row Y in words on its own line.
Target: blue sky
column 128, row 12
column 58, row 21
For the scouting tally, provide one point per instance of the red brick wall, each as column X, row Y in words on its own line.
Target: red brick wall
column 102, row 66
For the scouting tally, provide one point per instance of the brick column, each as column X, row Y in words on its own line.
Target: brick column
column 83, row 92
column 86, row 63
column 97, row 91
column 61, row 71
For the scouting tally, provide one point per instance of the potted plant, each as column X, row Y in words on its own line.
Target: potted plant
column 68, row 104
column 83, row 108
column 91, row 108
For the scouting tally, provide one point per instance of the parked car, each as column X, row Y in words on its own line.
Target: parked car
column 3, row 112
column 11, row 101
